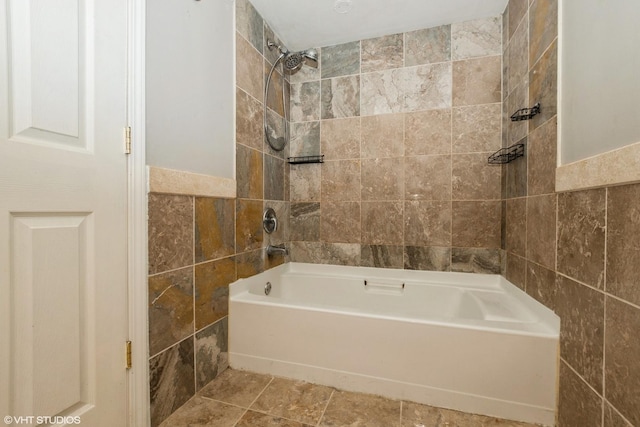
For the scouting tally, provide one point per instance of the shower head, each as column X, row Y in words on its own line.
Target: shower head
column 294, row 60
column 311, row 54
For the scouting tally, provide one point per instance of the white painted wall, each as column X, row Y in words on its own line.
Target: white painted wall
column 599, row 84
column 190, row 86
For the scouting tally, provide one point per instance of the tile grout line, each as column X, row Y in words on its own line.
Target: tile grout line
column 325, row 408
column 193, row 274
column 605, row 303
column 581, row 378
column 252, row 402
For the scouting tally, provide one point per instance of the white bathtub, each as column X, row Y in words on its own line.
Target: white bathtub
column 470, row 342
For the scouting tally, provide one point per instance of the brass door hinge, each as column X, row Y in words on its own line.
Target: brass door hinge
column 128, row 354
column 127, row 140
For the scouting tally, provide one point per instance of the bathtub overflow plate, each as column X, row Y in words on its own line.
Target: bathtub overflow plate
column 267, row 288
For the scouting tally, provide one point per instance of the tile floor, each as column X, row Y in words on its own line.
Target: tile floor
column 246, row 399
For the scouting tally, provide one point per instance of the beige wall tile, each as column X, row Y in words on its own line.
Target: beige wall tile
column 518, row 53
column 340, row 97
column 382, row 136
column 543, row 86
column 582, row 329
column 382, row 179
column 432, row 258
column 427, row 87
column 305, row 182
column 249, row 114
column 473, row 178
column 340, row 222
column 476, row 224
column 541, row 284
column 543, row 27
column 249, row 68
column 340, row 60
column 305, row 221
column 476, row 260
column 518, row 9
column 249, row 233
column 541, row 230
column 542, row 151
column 249, row 173
column 427, row 223
column 622, row 370
column 170, row 308
column 214, row 228
column 612, row 418
column 382, row 223
column 516, row 270
column 171, row 380
column 212, row 281
column 340, row 138
column 383, row 92
column 480, row 37
column 516, row 226
column 623, row 251
column 170, row 232
column 429, row 45
column 341, row 180
column 477, row 81
column 581, row 236
column 305, row 101
column 249, row 23
column 382, row 53
column 384, row 256
column 427, row 178
column 428, row 132
column 477, row 128
column 578, row 404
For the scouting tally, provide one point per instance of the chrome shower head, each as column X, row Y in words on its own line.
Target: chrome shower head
column 293, row 60
column 311, row 54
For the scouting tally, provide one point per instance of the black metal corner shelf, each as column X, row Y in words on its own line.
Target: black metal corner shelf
column 305, row 159
column 506, row 155
column 526, row 113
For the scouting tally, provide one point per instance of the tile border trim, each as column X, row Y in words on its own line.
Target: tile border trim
column 171, row 181
column 614, row 167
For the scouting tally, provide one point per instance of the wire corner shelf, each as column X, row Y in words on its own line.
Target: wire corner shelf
column 506, row 155
column 305, row 159
column 526, row 113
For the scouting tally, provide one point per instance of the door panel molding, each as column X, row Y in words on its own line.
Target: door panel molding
column 52, row 278
column 50, row 72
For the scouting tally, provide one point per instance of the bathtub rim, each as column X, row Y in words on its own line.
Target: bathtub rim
column 548, row 321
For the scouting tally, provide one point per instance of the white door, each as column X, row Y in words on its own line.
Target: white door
column 63, row 183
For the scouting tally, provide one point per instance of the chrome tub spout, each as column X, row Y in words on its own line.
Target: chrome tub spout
column 277, row 249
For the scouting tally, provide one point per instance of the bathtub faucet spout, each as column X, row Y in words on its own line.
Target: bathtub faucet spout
column 277, row 249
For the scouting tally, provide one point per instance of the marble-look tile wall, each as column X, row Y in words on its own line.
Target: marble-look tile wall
column 191, row 263
column 576, row 252
column 406, row 123
column 199, row 245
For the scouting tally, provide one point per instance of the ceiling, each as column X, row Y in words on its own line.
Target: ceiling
column 302, row 24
